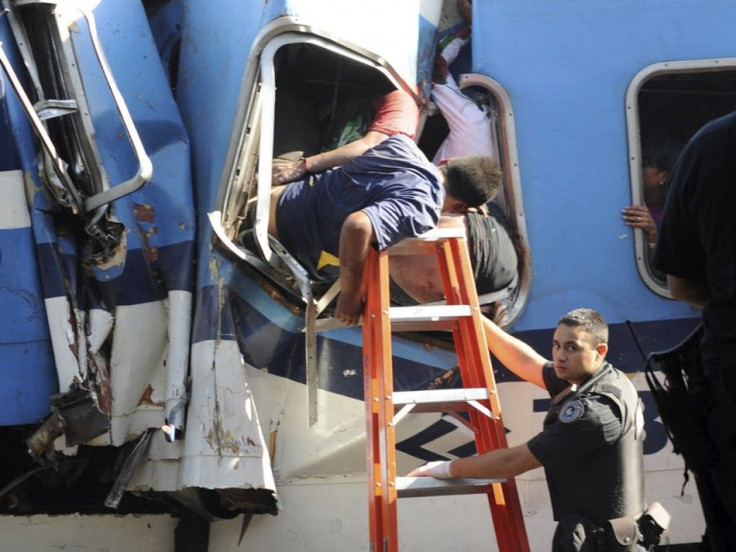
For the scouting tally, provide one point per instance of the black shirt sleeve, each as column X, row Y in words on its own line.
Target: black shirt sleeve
column 554, row 385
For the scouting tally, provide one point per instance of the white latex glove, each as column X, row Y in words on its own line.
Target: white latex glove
column 439, row 469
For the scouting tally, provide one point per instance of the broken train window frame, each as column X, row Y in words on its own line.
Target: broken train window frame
column 253, row 138
column 64, row 43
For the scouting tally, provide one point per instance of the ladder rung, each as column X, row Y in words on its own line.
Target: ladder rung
column 411, row 319
column 414, row 246
column 410, row 487
column 435, row 317
column 440, row 399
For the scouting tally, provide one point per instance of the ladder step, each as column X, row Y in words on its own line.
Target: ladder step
column 411, row 319
column 422, row 317
column 411, row 487
column 425, row 243
column 440, row 399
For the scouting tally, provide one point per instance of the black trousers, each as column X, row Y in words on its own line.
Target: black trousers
column 717, row 483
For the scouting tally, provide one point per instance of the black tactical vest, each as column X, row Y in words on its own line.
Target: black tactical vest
column 608, row 483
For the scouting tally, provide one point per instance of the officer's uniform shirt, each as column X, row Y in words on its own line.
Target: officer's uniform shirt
column 591, row 447
column 585, row 425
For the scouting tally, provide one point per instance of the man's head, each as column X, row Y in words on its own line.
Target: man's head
column 470, row 181
column 579, row 345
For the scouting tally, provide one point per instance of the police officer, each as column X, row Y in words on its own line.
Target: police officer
column 696, row 249
column 591, row 444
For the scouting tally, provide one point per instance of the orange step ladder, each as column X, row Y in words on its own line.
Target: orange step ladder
column 384, row 407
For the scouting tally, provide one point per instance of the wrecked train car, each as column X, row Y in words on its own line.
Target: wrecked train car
column 159, row 351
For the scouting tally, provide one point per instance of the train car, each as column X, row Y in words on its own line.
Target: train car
column 161, row 353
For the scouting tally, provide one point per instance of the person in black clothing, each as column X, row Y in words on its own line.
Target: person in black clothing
column 696, row 249
column 591, row 445
column 417, row 279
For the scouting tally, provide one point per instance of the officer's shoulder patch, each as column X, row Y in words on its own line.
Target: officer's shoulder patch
column 572, row 411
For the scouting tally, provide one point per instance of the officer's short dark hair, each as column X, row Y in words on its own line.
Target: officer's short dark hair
column 591, row 321
column 472, row 179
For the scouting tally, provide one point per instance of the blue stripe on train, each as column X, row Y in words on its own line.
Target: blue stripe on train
column 280, row 348
column 281, row 351
column 27, row 380
column 143, row 280
column 21, row 302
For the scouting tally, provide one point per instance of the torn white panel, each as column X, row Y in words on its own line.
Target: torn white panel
column 13, row 207
column 177, row 361
column 63, row 341
column 224, row 445
column 101, row 323
column 137, row 371
column 160, row 471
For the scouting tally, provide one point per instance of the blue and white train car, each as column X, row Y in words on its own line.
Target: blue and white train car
column 157, row 341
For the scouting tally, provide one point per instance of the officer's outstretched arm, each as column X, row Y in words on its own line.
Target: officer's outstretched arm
column 499, row 463
column 513, row 353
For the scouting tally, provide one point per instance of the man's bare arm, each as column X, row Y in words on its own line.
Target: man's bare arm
column 516, row 355
column 693, row 292
column 288, row 172
column 356, row 237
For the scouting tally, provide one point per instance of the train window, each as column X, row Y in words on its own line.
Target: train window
column 666, row 103
column 508, row 205
column 290, row 102
column 289, row 97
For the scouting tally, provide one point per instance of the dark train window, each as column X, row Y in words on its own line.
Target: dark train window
column 666, row 104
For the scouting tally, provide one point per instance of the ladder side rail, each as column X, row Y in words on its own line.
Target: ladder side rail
column 450, row 264
column 475, row 365
column 371, row 392
column 476, row 371
column 378, row 384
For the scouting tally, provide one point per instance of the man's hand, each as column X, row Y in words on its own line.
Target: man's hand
column 287, row 172
column 349, row 308
column 439, row 469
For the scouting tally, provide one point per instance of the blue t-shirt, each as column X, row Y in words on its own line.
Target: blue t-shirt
column 393, row 183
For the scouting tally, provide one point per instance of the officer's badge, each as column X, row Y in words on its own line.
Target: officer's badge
column 571, row 412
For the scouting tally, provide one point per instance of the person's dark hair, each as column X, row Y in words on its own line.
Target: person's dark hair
column 591, row 321
column 472, row 179
column 661, row 152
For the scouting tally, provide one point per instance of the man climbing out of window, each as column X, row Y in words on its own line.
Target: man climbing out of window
column 492, row 252
column 388, row 193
